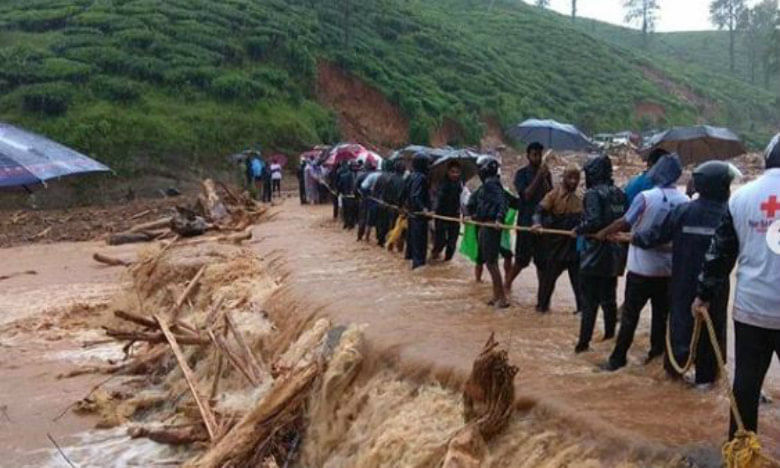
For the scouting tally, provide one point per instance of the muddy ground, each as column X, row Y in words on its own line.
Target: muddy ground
column 433, row 318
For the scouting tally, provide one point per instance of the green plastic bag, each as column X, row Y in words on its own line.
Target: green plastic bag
column 469, row 246
column 506, row 234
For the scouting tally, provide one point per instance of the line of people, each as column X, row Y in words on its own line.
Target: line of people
column 263, row 177
column 679, row 251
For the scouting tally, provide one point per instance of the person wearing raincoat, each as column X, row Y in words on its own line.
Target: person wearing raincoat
column 601, row 262
column 382, row 212
column 417, row 200
column 345, row 185
column 649, row 270
column 393, row 197
column 749, row 236
column 448, row 204
column 559, row 209
column 368, row 206
column 690, row 227
column 642, row 182
column 488, row 205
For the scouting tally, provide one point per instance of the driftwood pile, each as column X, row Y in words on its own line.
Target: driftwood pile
column 225, row 212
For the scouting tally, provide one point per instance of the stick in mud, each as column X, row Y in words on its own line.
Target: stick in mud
column 253, row 362
column 110, row 261
column 57, row 446
column 190, row 287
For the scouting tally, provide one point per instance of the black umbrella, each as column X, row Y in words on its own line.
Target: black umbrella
column 467, row 160
column 408, row 153
column 699, row 143
column 553, row 135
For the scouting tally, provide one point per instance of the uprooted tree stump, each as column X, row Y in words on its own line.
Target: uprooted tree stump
column 488, row 402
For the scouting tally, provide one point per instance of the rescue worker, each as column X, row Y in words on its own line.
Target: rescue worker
column 488, row 205
column 601, row 263
column 560, row 209
column 642, row 182
column 448, row 204
column 532, row 183
column 649, row 270
column 749, row 235
column 690, row 227
column 346, row 192
column 418, row 201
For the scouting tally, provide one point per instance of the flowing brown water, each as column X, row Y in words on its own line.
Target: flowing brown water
column 436, row 318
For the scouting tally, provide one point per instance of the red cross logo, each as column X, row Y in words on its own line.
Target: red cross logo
column 771, row 206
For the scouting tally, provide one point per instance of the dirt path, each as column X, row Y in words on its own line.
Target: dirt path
column 34, row 352
column 436, row 317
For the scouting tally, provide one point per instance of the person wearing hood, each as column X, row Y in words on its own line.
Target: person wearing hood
column 345, row 186
column 418, row 202
column 642, row 182
column 649, row 270
column 448, row 204
column 601, row 263
column 488, row 205
column 690, row 227
column 393, row 196
column 300, row 173
column 749, row 235
column 532, row 183
column 560, row 209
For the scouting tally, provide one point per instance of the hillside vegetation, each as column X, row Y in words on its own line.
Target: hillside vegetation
column 707, row 50
column 180, row 83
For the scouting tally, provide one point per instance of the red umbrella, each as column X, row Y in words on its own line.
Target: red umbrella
column 279, row 159
column 345, row 152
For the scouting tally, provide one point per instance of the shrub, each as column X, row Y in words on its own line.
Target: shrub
column 47, row 98
column 116, row 89
column 62, row 69
column 40, row 20
column 238, row 86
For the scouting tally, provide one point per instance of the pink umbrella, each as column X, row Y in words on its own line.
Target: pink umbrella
column 370, row 158
column 279, row 159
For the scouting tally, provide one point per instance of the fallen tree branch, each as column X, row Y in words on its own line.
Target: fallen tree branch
column 170, row 435
column 205, row 410
column 247, row 351
column 152, row 225
column 125, row 335
column 57, row 446
column 235, row 360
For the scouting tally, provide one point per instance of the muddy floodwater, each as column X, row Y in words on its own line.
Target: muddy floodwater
column 434, row 318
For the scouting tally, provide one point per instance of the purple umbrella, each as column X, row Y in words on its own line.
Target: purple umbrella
column 28, row 159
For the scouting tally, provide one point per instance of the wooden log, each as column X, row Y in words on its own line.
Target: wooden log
column 129, row 238
column 126, row 335
column 135, row 318
column 152, row 225
column 184, row 295
column 140, row 215
column 205, row 410
column 169, row 435
column 214, row 208
column 111, row 261
column 42, row 234
column 286, row 397
column 236, row 238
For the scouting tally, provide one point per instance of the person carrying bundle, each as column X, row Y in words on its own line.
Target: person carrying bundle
column 690, row 227
column 488, row 205
column 559, row 209
column 601, row 263
column 393, row 196
column 448, row 204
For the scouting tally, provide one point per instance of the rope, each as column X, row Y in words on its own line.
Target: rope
column 744, row 450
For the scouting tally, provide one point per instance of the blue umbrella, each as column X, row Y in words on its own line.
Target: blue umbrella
column 28, row 159
column 553, row 135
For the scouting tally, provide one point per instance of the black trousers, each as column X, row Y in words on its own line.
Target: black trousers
column 418, row 240
column 639, row 290
column 382, row 224
column 681, row 324
column 335, row 199
column 754, row 348
column 549, row 276
column 349, row 211
column 266, row 190
column 277, row 186
column 302, row 190
column 445, row 236
column 597, row 291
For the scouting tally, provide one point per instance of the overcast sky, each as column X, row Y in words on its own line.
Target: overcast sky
column 675, row 15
